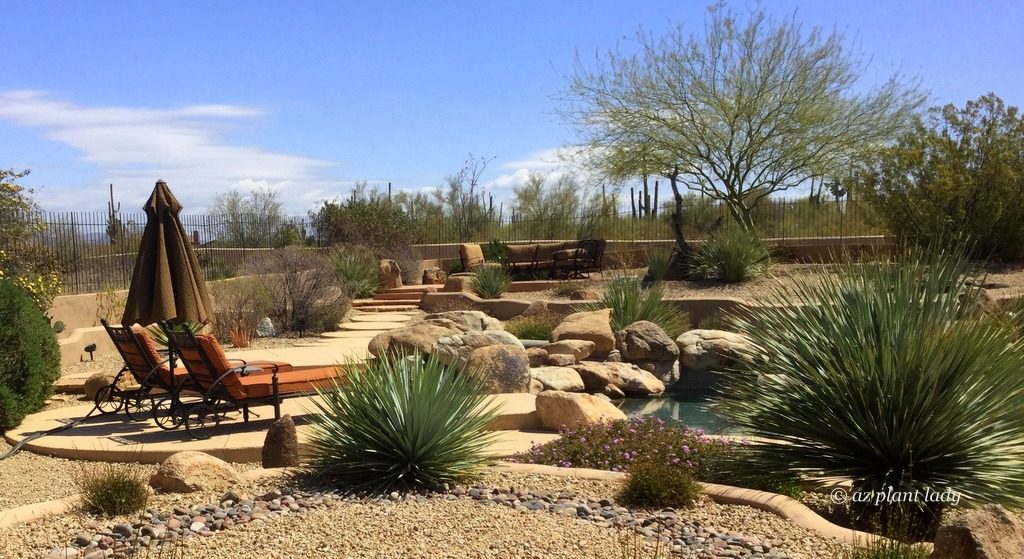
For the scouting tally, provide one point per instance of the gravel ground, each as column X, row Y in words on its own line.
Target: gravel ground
column 435, row 528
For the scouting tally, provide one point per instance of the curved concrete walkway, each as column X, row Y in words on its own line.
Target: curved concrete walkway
column 116, row 438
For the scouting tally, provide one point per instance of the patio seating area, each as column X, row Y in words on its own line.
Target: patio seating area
column 568, row 259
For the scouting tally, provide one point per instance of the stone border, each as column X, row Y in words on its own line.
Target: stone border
column 779, row 505
column 37, row 511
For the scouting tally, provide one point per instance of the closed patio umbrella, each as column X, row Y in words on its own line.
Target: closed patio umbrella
column 167, row 283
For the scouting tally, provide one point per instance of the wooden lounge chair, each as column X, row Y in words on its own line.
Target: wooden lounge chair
column 227, row 385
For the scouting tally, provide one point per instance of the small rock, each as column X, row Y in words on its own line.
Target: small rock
column 189, row 471
column 281, row 445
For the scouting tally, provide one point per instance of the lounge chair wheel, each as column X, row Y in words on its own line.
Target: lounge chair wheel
column 138, row 406
column 109, row 399
column 200, row 420
column 166, row 415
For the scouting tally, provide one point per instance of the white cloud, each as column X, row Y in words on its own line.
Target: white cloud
column 552, row 163
column 133, row 147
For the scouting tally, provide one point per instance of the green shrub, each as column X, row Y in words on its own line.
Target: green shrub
column 565, row 288
column 402, row 422
column 494, row 251
column 30, row 356
column 658, row 483
column 658, row 260
column 533, row 327
column 732, row 256
column 617, row 445
column 489, row 282
column 885, row 374
column 887, row 549
column 113, row 489
column 631, row 302
column 357, row 270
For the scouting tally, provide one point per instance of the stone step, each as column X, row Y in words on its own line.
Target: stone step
column 372, row 308
column 371, row 325
column 380, row 317
column 399, row 296
column 384, row 303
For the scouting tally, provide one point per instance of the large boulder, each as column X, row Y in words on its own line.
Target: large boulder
column 505, row 368
column 419, row 337
column 594, row 326
column 390, row 275
column 557, row 409
column 467, row 320
column 989, row 532
column 558, row 378
column 714, row 350
column 579, row 349
column 665, row 371
column 538, row 357
column 645, row 341
column 455, row 350
column 626, row 376
column 434, row 276
column 281, row 445
column 101, row 379
column 188, row 471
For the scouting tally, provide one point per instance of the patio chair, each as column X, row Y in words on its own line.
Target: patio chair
column 159, row 388
column 226, row 386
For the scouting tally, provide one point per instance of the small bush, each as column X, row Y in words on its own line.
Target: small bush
column 658, row 260
column 490, row 282
column 113, row 489
column 305, row 291
column 732, row 256
column 494, row 251
column 631, row 302
column 533, row 327
column 358, row 271
column 566, row 288
column 887, row 549
column 656, row 482
column 29, row 358
column 401, row 423
column 618, row 445
column 239, row 306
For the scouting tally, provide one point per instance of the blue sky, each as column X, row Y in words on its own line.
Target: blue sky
column 306, row 97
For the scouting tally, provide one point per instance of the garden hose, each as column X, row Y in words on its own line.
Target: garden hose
column 73, row 423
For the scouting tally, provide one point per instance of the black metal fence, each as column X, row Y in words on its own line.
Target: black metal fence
column 97, row 251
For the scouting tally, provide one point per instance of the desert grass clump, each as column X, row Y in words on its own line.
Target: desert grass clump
column 401, row 422
column 733, row 256
column 630, row 301
column 534, row 327
column 658, row 262
column 113, row 488
column 357, row 270
column 884, row 374
column 490, row 282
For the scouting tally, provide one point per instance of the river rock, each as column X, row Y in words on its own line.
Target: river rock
column 556, row 409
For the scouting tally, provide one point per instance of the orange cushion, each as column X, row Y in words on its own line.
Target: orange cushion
column 290, row 382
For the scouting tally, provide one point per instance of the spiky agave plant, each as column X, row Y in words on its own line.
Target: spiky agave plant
column 885, row 374
column 490, row 281
column 400, row 423
column 732, row 256
column 630, row 302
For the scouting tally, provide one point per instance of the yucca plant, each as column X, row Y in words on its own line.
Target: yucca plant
column 160, row 337
column 732, row 256
column 885, row 374
column 631, row 302
column 401, row 423
column 490, row 282
column 357, row 270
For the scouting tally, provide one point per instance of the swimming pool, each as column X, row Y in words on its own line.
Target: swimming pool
column 692, row 410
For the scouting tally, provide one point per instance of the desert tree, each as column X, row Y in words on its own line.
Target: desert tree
column 254, row 218
column 752, row 107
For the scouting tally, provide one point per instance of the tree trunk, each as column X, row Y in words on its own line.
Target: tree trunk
column 679, row 264
column 741, row 214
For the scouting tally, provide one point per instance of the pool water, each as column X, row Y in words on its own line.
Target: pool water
column 692, row 410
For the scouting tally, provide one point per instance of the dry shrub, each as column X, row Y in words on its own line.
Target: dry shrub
column 239, row 305
column 305, row 292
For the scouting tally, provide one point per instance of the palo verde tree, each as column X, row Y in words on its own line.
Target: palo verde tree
column 749, row 108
